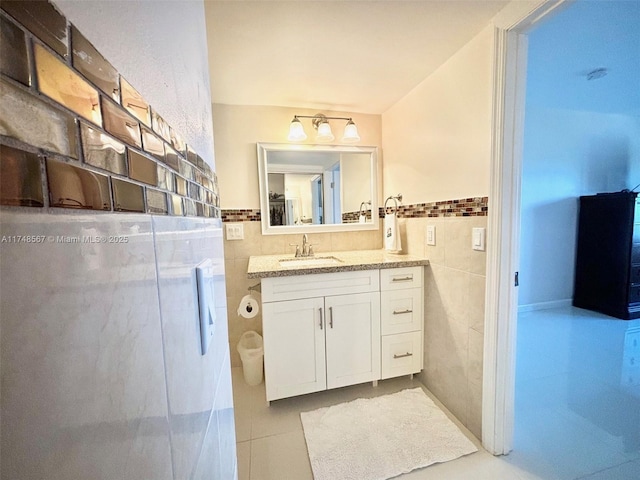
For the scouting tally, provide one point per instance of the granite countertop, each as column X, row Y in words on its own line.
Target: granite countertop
column 264, row 266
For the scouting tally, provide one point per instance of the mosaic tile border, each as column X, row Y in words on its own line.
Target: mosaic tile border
column 464, row 207
column 74, row 134
column 241, row 215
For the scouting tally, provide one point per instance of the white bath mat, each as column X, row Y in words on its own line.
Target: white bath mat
column 380, row 438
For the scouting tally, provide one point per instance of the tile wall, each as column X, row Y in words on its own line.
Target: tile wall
column 105, row 213
column 67, row 112
column 454, row 312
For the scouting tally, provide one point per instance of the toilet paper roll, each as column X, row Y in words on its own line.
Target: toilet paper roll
column 249, row 307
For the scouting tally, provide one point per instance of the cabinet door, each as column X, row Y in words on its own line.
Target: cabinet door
column 294, row 347
column 353, row 339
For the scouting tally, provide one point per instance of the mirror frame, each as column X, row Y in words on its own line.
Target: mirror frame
column 263, row 152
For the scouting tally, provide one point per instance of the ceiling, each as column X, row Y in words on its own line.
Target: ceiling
column 580, row 39
column 354, row 56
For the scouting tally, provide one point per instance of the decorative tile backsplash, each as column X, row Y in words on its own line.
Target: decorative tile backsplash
column 465, row 207
column 75, row 134
column 241, row 215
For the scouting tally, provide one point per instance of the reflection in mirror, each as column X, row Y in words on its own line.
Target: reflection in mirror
column 317, row 188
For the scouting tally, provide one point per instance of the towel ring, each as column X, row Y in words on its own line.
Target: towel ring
column 396, row 199
column 363, row 208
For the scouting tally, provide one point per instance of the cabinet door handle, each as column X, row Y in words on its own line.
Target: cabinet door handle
column 395, row 355
column 400, row 312
column 321, row 318
column 402, row 279
column 331, row 317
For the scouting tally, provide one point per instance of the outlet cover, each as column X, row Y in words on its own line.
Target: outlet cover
column 235, row 231
column 431, row 234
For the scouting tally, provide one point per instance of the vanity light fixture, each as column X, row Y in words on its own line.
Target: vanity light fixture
column 321, row 123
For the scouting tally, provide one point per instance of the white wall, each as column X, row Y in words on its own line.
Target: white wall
column 581, row 137
column 436, row 140
column 238, row 128
column 356, row 181
column 567, row 154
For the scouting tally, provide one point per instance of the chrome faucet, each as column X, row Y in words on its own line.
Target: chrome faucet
column 307, row 248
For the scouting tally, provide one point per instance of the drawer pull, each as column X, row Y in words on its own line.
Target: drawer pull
column 402, row 279
column 400, row 312
column 395, row 355
column 321, row 318
column 331, row 317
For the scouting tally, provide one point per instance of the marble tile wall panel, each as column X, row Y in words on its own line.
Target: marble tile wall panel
column 182, row 243
column 83, row 376
column 219, row 442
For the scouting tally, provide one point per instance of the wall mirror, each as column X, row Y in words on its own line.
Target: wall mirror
column 317, row 188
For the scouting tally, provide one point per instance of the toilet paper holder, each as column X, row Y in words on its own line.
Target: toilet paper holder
column 255, row 288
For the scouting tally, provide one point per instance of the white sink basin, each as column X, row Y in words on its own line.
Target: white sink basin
column 309, row 262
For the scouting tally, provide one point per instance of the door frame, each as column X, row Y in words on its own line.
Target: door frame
column 501, row 299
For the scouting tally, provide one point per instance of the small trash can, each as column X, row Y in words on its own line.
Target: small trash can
column 251, row 353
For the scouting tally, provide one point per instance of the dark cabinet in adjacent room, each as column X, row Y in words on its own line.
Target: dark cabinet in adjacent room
column 608, row 255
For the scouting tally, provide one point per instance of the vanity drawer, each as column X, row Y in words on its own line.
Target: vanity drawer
column 401, row 311
column 401, row 354
column 399, row 278
column 293, row 287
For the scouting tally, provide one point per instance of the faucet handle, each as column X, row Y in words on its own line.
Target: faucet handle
column 297, row 248
column 310, row 251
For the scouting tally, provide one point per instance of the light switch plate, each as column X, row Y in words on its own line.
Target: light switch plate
column 431, row 234
column 235, row 231
column 478, row 239
column 206, row 303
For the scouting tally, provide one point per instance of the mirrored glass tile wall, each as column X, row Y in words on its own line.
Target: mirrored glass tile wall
column 75, row 134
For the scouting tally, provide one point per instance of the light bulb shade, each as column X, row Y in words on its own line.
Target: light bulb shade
column 324, row 132
column 296, row 131
column 350, row 132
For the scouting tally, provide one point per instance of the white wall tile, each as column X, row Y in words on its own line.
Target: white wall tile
column 82, row 368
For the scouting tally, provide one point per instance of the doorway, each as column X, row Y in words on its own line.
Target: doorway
column 503, row 263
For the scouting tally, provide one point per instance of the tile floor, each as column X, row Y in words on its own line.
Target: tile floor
column 271, row 443
column 577, row 409
column 577, row 396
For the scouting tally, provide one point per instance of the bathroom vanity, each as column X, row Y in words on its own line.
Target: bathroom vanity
column 339, row 319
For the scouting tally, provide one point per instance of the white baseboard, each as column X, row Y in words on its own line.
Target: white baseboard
column 544, row 305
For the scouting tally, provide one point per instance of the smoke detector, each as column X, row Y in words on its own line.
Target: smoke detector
column 597, row 73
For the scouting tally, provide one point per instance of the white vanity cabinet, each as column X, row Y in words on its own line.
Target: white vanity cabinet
column 329, row 330
column 320, row 331
column 402, row 320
